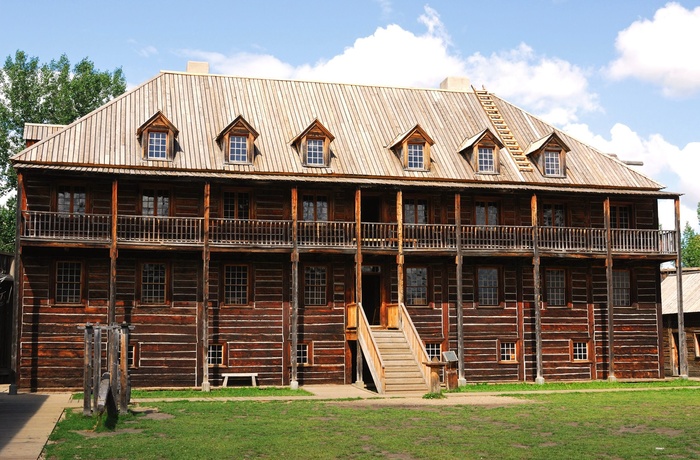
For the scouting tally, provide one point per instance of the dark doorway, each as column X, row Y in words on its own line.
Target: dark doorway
column 371, row 209
column 372, row 297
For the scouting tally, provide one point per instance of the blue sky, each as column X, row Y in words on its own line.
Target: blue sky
column 621, row 75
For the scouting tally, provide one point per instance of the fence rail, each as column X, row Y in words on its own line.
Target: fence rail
column 40, row 225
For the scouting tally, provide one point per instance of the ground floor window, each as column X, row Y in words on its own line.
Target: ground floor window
column 215, row 354
column 507, row 351
column 433, row 350
column 579, row 351
column 153, row 283
column 236, row 285
column 555, row 280
column 69, row 282
column 487, row 286
column 303, row 354
column 315, row 285
column 416, row 286
column 621, row 288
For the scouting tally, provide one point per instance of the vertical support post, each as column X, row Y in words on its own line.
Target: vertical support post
column 97, row 363
column 124, row 390
column 399, row 257
column 359, row 378
column 609, row 282
column 461, row 377
column 18, row 287
column 206, row 385
column 538, row 289
column 294, row 383
column 113, row 254
column 112, row 361
column 87, row 369
column 682, row 344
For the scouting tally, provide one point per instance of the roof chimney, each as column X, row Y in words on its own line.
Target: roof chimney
column 456, row 84
column 198, row 67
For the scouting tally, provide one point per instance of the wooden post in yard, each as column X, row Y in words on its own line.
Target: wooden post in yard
column 206, row 386
column 124, row 391
column 294, row 383
column 113, row 254
column 538, row 290
column 359, row 379
column 18, row 285
column 611, row 292
column 97, row 363
column 87, row 369
column 461, row 378
column 399, row 257
column 682, row 344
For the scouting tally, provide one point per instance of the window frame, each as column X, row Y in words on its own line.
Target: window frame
column 553, row 205
column 573, row 352
column 167, row 294
column 615, row 301
column 249, row 285
column 494, row 160
column 325, row 289
column 487, row 202
column 515, row 354
column 499, row 287
column 427, row 286
column 72, row 191
column 150, row 154
column 415, row 202
column 414, row 156
column 615, row 211
column 157, row 124
column 566, row 291
column 236, row 192
column 309, row 352
column 224, row 355
column 166, row 192
column 553, row 153
column 315, row 196
column 429, row 346
column 82, row 288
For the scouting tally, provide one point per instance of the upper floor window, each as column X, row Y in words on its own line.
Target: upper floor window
column 236, row 285
column 236, row 205
column 482, row 150
column 417, row 286
column 486, row 213
column 155, row 202
column 552, row 163
column 69, row 282
column 415, row 211
column 553, row 215
column 413, row 148
column 154, row 284
column 157, row 136
column 620, row 217
column 488, row 286
column 313, row 144
column 237, row 141
column 314, row 208
column 70, row 200
column 315, row 285
column 621, row 288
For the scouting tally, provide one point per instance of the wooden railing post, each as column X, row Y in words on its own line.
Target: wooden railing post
column 538, row 289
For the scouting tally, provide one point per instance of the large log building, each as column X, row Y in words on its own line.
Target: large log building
column 333, row 233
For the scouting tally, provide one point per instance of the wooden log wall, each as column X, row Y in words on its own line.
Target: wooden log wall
column 692, row 327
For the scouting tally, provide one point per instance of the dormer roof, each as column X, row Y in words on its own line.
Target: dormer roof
column 158, row 119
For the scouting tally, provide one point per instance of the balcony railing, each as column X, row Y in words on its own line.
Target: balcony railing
column 53, row 226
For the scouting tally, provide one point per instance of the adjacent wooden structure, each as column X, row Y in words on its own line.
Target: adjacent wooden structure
column 254, row 226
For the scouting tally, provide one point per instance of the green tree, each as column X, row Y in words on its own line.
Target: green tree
column 53, row 92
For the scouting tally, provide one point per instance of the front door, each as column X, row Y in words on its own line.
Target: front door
column 372, row 296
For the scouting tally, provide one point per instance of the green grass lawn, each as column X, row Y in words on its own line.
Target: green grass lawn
column 616, row 425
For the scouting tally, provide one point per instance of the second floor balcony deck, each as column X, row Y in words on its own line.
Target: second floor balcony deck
column 96, row 229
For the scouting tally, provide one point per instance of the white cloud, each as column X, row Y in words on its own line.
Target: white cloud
column 148, row 51
column 663, row 51
column 385, row 5
column 553, row 88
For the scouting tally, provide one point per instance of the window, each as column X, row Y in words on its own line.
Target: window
column 70, row 200
column 68, row 282
column 236, row 285
column 579, row 351
column 415, row 211
column 157, row 145
column 553, row 215
column 238, row 149
column 488, row 286
column 552, row 163
column 314, row 152
column 236, row 205
column 132, row 357
column 507, row 352
column 416, row 286
column 314, row 208
column 315, row 285
column 415, row 156
column 486, row 213
column 696, row 340
column 303, row 354
column 155, row 202
column 621, row 288
column 555, row 280
column 153, row 283
column 485, row 160
column 433, row 350
column 620, row 216
column 215, row 355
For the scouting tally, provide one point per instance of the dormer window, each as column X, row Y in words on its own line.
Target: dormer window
column 237, row 141
column 549, row 154
column 483, row 152
column 313, row 145
column 413, row 148
column 157, row 136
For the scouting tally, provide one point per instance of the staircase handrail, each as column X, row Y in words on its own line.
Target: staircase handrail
column 370, row 350
column 414, row 341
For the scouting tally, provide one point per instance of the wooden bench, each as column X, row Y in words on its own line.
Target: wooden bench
column 239, row 375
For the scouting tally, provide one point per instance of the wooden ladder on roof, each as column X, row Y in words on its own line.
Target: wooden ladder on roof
column 502, row 129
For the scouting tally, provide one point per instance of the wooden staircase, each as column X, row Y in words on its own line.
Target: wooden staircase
column 502, row 129
column 402, row 373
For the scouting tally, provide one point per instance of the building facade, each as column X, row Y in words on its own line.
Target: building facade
column 307, row 232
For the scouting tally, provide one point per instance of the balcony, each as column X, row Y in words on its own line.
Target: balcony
column 93, row 229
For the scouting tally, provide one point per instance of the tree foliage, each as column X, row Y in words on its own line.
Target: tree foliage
column 690, row 245
column 53, row 93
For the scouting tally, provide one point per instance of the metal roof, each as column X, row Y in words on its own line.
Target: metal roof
column 363, row 119
column 691, row 293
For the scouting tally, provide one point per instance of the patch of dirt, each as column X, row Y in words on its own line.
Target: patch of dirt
column 107, row 434
column 152, row 413
column 548, row 444
column 670, row 432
